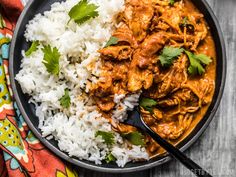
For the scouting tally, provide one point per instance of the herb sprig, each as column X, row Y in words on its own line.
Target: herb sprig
column 108, row 137
column 110, row 158
column 33, row 48
column 83, row 11
column 51, row 59
column 135, row 138
column 65, row 99
column 169, row 54
column 172, row 2
column 148, row 104
column 112, row 41
column 197, row 61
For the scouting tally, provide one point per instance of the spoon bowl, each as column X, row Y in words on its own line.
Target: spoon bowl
column 135, row 119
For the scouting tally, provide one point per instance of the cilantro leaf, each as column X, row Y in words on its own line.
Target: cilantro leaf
column 2, row 22
column 83, row 11
column 184, row 22
column 33, row 48
column 65, row 99
column 112, row 41
column 147, row 104
column 171, row 2
column 51, row 59
column 203, row 58
column 4, row 40
column 108, row 137
column 197, row 62
column 168, row 55
column 135, row 138
column 110, row 158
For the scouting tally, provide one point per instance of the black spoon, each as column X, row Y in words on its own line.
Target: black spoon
column 135, row 119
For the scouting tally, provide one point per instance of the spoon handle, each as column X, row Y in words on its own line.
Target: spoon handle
column 177, row 154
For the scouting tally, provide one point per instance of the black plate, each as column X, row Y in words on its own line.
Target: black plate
column 28, row 110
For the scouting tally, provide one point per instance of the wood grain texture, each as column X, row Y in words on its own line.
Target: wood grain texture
column 216, row 148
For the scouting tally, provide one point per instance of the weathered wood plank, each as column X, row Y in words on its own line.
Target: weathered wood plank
column 216, row 149
column 86, row 173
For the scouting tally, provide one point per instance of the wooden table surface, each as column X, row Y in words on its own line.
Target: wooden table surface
column 216, row 148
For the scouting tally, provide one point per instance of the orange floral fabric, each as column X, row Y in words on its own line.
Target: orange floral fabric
column 21, row 154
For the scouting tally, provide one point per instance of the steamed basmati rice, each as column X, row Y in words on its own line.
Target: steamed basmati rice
column 75, row 128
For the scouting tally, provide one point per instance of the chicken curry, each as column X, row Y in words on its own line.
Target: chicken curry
column 164, row 50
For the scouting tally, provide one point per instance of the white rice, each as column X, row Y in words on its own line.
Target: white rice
column 124, row 103
column 75, row 128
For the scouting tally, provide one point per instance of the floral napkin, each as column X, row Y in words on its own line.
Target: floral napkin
column 21, row 154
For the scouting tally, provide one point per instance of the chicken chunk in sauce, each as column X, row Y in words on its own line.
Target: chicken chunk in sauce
column 133, row 65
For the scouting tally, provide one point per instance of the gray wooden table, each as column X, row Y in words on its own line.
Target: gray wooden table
column 216, row 149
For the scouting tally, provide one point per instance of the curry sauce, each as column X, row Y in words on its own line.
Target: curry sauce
column 181, row 92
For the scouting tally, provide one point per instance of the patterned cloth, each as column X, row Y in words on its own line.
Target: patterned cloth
column 21, row 154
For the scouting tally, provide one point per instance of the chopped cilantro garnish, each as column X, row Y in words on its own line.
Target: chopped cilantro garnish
column 110, row 158
column 108, row 137
column 65, row 99
column 171, row 2
column 197, row 63
column 51, row 59
column 112, row 41
column 169, row 54
column 147, row 104
column 135, row 138
column 83, row 11
column 33, row 48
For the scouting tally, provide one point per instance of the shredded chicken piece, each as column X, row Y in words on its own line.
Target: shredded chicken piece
column 106, row 104
column 144, row 59
column 125, row 128
column 138, row 14
column 177, row 98
column 173, row 130
column 138, row 79
column 125, row 35
column 132, row 65
column 172, row 81
column 116, row 52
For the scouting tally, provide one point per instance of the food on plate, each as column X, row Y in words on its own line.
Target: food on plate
column 91, row 61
